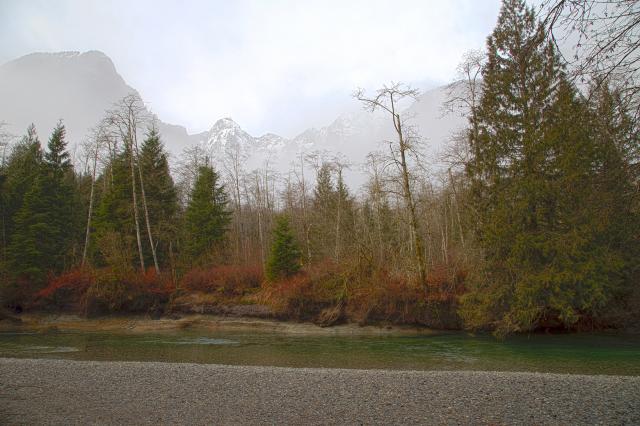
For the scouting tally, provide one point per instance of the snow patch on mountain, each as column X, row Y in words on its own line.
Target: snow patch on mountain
column 42, row 88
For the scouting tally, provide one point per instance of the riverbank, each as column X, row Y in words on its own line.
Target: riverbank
column 72, row 392
column 40, row 322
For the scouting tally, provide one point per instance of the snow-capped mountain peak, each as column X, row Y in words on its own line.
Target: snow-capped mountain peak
column 79, row 87
column 271, row 141
column 227, row 134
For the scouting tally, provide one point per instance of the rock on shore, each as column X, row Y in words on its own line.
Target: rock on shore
column 75, row 392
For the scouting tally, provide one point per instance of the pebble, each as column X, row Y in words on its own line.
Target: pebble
column 64, row 392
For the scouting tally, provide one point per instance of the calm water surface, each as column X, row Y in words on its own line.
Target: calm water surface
column 584, row 353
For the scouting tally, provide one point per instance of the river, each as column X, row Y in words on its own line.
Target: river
column 611, row 354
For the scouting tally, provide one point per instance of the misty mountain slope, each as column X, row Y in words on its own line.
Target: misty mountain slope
column 79, row 87
column 42, row 88
column 351, row 137
column 358, row 133
column 435, row 126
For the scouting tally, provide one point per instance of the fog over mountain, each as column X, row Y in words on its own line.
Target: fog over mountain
column 42, row 88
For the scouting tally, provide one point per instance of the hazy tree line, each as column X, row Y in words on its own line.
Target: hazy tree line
column 534, row 222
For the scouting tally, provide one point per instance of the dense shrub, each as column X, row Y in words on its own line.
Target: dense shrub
column 445, row 283
column 17, row 294
column 384, row 297
column 326, row 293
column 148, row 291
column 103, row 291
column 387, row 297
column 227, row 280
column 134, row 292
column 106, row 295
column 65, row 291
column 304, row 295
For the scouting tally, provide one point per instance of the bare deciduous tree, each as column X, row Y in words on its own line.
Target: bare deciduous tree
column 386, row 99
column 464, row 93
column 126, row 117
column 96, row 142
column 233, row 165
column 603, row 38
column 189, row 162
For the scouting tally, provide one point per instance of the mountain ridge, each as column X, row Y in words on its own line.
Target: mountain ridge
column 43, row 87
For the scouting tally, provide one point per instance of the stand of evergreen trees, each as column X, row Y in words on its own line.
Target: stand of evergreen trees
column 552, row 188
column 535, row 226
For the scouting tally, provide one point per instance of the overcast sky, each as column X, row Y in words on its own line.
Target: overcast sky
column 273, row 66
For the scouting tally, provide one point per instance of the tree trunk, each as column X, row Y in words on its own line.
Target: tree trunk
column 93, row 184
column 259, row 206
column 409, row 202
column 135, row 199
column 455, row 200
column 338, row 219
column 146, row 210
column 173, row 266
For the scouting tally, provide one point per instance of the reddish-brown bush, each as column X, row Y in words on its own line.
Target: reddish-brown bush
column 324, row 292
column 134, row 292
column 102, row 291
column 65, row 291
column 394, row 298
column 227, row 280
column 151, row 282
column 148, row 291
column 444, row 283
column 384, row 297
column 304, row 295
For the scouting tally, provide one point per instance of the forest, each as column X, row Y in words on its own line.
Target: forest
column 533, row 224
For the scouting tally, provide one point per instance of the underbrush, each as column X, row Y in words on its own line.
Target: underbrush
column 305, row 295
column 228, row 281
column 325, row 293
column 328, row 295
column 102, row 291
column 394, row 298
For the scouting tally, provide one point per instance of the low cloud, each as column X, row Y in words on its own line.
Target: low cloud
column 276, row 66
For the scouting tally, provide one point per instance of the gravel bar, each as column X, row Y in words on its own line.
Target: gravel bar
column 38, row 391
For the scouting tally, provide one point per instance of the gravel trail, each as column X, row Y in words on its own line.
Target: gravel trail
column 86, row 392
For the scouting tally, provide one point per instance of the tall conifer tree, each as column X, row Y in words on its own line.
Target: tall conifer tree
column 42, row 237
column 207, row 217
column 534, row 189
column 160, row 193
column 285, row 256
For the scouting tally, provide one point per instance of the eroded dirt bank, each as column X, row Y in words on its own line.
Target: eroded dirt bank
column 144, row 324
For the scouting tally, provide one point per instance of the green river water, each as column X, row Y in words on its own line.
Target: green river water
column 577, row 353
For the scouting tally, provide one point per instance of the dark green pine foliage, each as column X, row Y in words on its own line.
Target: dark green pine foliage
column 332, row 224
column 615, row 218
column 344, row 216
column 114, row 212
column 508, row 190
column 322, row 225
column 42, row 238
column 535, row 193
column 20, row 171
column 207, row 217
column 285, row 256
column 113, row 224
column 161, row 196
column 62, row 199
column 19, row 176
column 323, row 192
